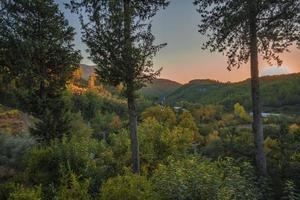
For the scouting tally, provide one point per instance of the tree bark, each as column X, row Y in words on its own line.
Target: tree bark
column 133, row 135
column 130, row 90
column 257, row 124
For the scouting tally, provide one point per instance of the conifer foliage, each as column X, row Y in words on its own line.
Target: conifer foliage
column 37, row 51
column 118, row 34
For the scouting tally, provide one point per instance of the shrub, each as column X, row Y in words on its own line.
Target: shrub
column 194, row 178
column 72, row 188
column 22, row 193
column 12, row 149
column 128, row 187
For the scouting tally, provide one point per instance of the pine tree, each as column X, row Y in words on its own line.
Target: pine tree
column 38, row 53
column 244, row 29
column 118, row 34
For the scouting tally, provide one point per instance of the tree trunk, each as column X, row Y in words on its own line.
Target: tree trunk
column 255, row 92
column 130, row 89
column 133, row 135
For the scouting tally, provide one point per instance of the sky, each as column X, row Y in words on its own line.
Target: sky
column 183, row 59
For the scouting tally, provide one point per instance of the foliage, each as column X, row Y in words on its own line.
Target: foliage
column 128, row 187
column 115, row 35
column 290, row 191
column 22, row 193
column 159, row 89
column 281, row 94
column 204, row 150
column 79, row 128
column 187, row 121
column 164, row 115
column 72, row 188
column 194, row 178
column 119, row 37
column 38, row 54
column 283, row 155
column 12, row 150
column 90, row 104
column 46, row 164
column 226, row 24
column 103, row 124
column 205, row 113
column 240, row 112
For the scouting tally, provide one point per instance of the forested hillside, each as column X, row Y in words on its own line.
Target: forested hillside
column 281, row 93
column 160, row 88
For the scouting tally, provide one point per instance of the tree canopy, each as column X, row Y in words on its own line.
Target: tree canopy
column 226, row 25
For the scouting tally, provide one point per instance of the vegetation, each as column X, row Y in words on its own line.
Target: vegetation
column 37, row 55
column 244, row 29
column 159, row 89
column 118, row 33
column 281, row 93
column 200, row 149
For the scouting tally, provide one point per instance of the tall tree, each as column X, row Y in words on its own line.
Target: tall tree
column 118, row 34
column 37, row 52
column 243, row 29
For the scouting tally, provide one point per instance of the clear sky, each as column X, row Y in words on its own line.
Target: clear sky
column 183, row 59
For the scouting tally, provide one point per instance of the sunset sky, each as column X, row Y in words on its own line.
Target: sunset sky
column 183, row 59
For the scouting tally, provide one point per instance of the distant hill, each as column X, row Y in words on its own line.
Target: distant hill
column 279, row 93
column 160, row 88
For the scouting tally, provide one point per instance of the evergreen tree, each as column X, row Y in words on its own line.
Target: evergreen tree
column 38, row 53
column 118, row 34
column 243, row 29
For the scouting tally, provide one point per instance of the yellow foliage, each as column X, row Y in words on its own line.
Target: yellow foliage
column 239, row 111
column 77, row 74
column 294, row 128
column 91, row 81
column 270, row 144
column 115, row 122
column 120, row 88
column 212, row 137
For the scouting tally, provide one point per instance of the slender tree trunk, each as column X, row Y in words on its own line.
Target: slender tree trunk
column 255, row 92
column 130, row 90
column 133, row 135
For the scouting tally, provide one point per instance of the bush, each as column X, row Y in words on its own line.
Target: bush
column 157, row 142
column 200, row 179
column 46, row 164
column 22, row 193
column 12, row 149
column 128, row 187
column 72, row 188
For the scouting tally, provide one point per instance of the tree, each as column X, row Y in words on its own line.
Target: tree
column 38, row 53
column 118, row 34
column 244, row 29
column 240, row 112
column 164, row 115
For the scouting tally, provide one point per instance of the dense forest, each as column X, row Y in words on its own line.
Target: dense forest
column 115, row 131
